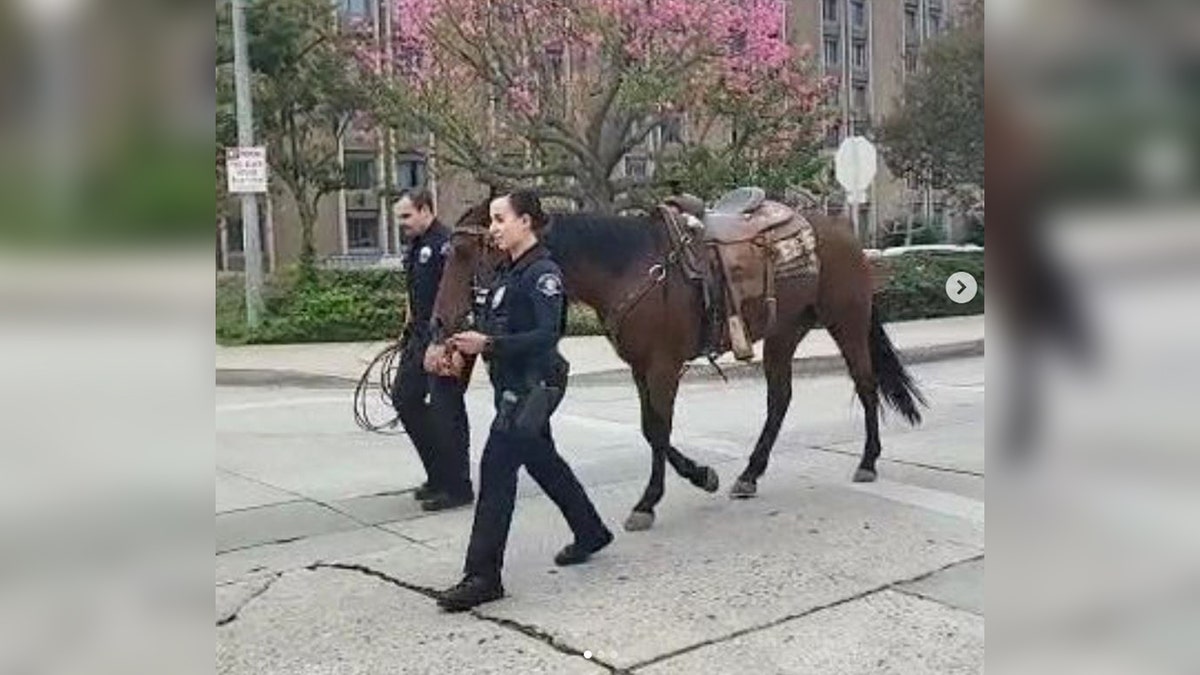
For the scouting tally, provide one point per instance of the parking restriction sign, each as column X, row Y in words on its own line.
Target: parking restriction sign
column 246, row 169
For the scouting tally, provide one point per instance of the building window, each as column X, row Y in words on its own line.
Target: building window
column 360, row 171
column 409, row 58
column 938, row 215
column 912, row 31
column 672, row 130
column 359, row 9
column 858, row 13
column 410, row 172
column 737, row 42
column 362, row 231
column 833, row 51
column 233, row 235
column 935, row 23
column 636, row 167
column 833, row 136
column 860, row 55
column 554, row 63
column 830, row 10
column 910, row 61
column 860, row 98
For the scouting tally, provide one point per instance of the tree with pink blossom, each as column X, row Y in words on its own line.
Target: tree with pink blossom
column 560, row 92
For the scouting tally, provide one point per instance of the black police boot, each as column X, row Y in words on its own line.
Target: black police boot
column 424, row 492
column 441, row 501
column 578, row 552
column 470, row 592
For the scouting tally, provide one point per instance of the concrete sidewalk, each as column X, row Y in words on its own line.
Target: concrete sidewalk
column 592, row 358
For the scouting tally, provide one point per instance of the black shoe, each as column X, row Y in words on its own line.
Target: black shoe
column 470, row 592
column 424, row 492
column 441, row 501
column 575, row 553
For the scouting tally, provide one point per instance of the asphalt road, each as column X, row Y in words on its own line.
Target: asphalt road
column 324, row 562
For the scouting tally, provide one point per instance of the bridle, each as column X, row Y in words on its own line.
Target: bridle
column 481, row 273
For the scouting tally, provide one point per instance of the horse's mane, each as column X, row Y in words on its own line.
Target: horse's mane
column 612, row 242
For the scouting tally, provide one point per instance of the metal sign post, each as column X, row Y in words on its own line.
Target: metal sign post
column 249, row 163
column 855, row 165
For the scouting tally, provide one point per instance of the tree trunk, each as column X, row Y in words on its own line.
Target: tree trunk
column 600, row 197
column 308, row 252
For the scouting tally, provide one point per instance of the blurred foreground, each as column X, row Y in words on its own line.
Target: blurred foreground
column 106, row 357
column 1094, row 551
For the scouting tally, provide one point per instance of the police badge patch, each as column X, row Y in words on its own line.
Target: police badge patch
column 549, row 284
column 423, row 256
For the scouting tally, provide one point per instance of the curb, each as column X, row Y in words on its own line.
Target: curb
column 695, row 372
column 248, row 377
column 809, row 366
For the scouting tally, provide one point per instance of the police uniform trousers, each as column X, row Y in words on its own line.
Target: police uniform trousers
column 434, row 414
column 506, row 452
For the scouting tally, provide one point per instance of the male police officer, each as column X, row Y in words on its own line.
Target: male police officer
column 431, row 407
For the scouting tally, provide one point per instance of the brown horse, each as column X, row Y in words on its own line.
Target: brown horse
column 606, row 261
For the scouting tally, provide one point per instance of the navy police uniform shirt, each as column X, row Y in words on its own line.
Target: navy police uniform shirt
column 525, row 316
column 426, row 258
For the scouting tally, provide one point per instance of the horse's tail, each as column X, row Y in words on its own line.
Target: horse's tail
column 893, row 380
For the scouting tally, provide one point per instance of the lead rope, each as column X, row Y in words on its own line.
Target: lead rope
column 387, row 361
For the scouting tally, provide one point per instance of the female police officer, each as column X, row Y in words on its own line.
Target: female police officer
column 523, row 320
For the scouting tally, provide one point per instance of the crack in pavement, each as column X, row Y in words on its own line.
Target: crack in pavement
column 363, row 569
column 232, row 616
column 808, row 612
column 527, row 630
column 563, row 647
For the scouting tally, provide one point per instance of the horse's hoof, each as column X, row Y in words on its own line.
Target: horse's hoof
column 862, row 475
column 743, row 489
column 639, row 521
column 712, row 482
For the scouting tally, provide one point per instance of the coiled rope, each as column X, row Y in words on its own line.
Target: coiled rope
column 386, row 364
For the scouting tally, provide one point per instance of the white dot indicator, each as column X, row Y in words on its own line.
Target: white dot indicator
column 587, row 654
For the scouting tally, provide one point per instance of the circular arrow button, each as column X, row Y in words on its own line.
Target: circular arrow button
column 961, row 287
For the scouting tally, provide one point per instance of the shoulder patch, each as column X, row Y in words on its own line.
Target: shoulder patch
column 549, row 284
column 446, row 248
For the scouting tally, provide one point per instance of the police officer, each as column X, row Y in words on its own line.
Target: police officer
column 430, row 407
column 523, row 320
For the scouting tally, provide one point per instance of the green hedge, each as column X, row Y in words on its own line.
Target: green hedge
column 341, row 306
column 916, row 288
column 338, row 306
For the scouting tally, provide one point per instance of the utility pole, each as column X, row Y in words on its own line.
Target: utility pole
column 251, row 246
column 389, row 140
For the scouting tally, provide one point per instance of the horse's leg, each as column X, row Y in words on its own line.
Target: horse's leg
column 657, row 388
column 642, row 516
column 778, row 351
column 852, row 335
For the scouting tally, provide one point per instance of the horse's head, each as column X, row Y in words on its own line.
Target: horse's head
column 470, row 267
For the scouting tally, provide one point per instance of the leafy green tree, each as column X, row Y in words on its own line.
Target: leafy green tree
column 306, row 94
column 937, row 134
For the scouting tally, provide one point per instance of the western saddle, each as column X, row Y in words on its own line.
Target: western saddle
column 747, row 243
